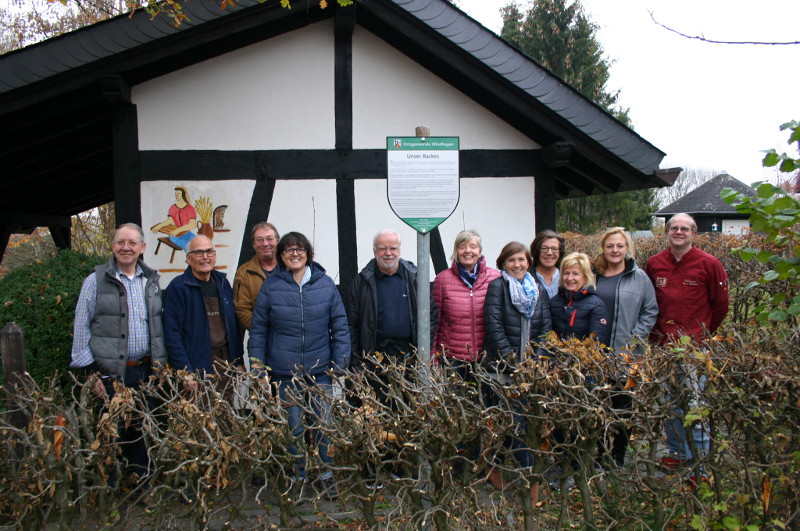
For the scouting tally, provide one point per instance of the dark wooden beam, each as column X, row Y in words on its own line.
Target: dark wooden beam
column 125, row 145
column 344, row 23
column 438, row 255
column 311, row 163
column 545, row 202
column 260, row 205
column 27, row 219
column 61, row 236
column 346, row 225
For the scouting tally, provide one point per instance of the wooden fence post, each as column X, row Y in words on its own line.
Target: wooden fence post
column 12, row 347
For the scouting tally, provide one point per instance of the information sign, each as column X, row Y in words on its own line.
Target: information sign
column 423, row 179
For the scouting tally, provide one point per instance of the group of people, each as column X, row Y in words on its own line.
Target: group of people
column 301, row 330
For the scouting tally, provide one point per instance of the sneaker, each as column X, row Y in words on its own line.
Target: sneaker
column 327, row 488
column 188, row 495
column 374, row 484
column 693, row 483
column 555, row 484
column 672, row 463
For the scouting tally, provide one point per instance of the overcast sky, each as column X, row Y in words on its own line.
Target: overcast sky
column 713, row 106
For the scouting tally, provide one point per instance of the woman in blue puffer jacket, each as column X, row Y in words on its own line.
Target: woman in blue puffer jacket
column 299, row 331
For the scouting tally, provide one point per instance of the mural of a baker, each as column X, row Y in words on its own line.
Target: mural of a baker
column 181, row 220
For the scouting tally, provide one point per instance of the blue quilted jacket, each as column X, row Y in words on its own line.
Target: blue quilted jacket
column 299, row 329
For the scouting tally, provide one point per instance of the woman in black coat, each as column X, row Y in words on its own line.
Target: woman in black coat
column 516, row 312
column 516, row 317
column 577, row 311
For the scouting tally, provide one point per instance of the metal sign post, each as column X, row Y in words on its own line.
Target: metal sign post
column 423, row 190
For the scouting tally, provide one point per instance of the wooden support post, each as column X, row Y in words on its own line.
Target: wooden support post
column 12, row 347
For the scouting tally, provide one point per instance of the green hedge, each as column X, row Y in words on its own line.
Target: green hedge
column 41, row 298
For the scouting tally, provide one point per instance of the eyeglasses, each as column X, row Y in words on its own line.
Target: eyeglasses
column 294, row 250
column 267, row 240
column 200, row 252
column 545, row 250
column 681, row 229
column 129, row 243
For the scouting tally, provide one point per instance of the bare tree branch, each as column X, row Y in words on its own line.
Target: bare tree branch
column 712, row 41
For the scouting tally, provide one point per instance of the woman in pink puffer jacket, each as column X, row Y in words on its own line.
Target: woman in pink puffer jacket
column 459, row 293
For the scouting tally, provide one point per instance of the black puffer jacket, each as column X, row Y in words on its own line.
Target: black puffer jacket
column 362, row 310
column 503, row 324
column 578, row 314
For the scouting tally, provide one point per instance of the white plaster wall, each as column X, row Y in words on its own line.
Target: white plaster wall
column 735, row 226
column 500, row 209
column 392, row 95
column 309, row 207
column 276, row 94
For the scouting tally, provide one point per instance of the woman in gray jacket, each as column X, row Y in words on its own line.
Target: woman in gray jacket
column 631, row 308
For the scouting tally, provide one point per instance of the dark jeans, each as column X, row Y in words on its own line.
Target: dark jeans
column 466, row 371
column 399, row 352
column 132, row 444
column 293, row 393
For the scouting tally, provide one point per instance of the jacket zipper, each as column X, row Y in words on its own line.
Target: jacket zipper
column 302, row 332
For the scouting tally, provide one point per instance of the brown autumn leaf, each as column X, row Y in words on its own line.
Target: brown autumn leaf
column 58, row 436
column 765, row 494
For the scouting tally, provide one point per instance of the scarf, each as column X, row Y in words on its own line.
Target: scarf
column 468, row 277
column 551, row 289
column 523, row 294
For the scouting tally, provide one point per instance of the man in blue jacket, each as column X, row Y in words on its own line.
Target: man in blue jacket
column 199, row 318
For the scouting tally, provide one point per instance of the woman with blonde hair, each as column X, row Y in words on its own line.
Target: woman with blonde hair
column 576, row 310
column 460, row 293
column 626, row 290
column 630, row 302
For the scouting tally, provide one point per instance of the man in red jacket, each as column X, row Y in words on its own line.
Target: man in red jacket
column 692, row 293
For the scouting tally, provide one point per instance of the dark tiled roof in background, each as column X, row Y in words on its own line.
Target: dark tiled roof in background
column 705, row 198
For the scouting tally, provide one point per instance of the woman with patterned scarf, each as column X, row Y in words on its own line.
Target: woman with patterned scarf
column 516, row 318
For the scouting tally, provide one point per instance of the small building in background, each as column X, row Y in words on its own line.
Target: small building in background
column 709, row 210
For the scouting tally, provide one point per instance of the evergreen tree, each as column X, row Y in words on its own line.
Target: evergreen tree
column 559, row 35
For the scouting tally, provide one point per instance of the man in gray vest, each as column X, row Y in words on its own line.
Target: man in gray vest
column 118, row 333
